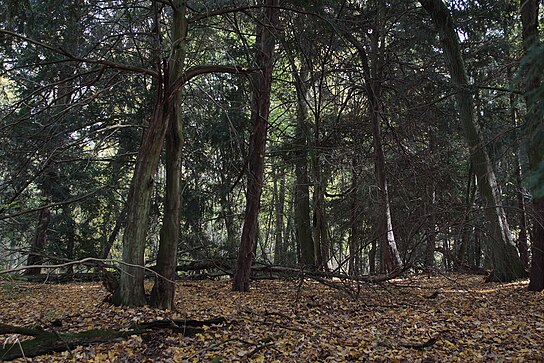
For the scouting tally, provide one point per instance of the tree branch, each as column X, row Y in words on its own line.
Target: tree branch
column 205, row 69
column 69, row 56
column 51, row 205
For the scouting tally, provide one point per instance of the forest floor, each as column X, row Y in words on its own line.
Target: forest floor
column 449, row 318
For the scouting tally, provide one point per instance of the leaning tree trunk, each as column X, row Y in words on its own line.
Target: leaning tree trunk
column 507, row 264
column 262, row 83
column 529, row 19
column 130, row 290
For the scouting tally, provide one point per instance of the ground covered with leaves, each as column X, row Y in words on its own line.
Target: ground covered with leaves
column 418, row 319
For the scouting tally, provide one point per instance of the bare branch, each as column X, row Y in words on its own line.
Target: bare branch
column 51, row 205
column 197, row 70
column 82, row 262
column 71, row 57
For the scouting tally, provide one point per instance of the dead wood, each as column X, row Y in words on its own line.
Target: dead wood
column 45, row 342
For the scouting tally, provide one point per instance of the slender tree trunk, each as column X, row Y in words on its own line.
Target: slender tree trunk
column 466, row 227
column 522, row 243
column 388, row 245
column 106, row 246
column 321, row 238
column 529, row 20
column 279, row 206
column 385, row 233
column 354, row 265
column 302, row 183
column 260, row 112
column 372, row 73
column 507, row 264
column 431, row 228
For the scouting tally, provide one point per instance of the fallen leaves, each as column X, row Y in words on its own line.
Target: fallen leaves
column 280, row 321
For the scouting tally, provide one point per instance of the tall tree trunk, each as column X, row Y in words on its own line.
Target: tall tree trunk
column 507, row 264
column 302, row 184
column 163, row 292
column 372, row 73
column 130, row 290
column 385, row 233
column 522, row 243
column 321, row 238
column 262, row 83
column 529, row 20
column 391, row 257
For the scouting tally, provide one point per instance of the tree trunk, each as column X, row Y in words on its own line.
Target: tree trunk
column 507, row 264
column 385, row 233
column 302, row 184
column 279, row 206
column 529, row 19
column 163, row 292
column 372, row 73
column 466, row 227
column 431, row 228
column 321, row 238
column 131, row 282
column 354, row 265
column 262, row 83
column 522, row 244
column 35, row 256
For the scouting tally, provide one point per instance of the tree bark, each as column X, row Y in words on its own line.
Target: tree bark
column 372, row 73
column 302, row 222
column 131, row 282
column 354, row 265
column 262, row 83
column 163, row 292
column 35, row 257
column 279, row 206
column 529, row 20
column 507, row 264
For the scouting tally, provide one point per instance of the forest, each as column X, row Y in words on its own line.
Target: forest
column 271, row 180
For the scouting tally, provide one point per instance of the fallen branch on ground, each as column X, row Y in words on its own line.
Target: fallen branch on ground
column 45, row 342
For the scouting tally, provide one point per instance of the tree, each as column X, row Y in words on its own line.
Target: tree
column 166, row 114
column 163, row 292
column 529, row 20
column 262, row 83
column 507, row 264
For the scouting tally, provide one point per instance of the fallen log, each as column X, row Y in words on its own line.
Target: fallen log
column 45, row 342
